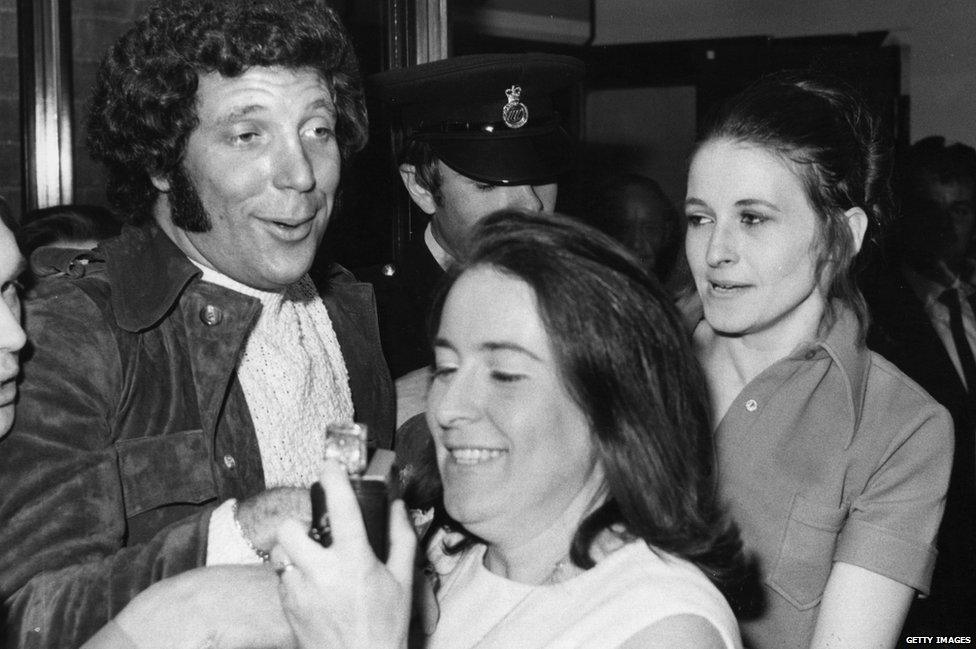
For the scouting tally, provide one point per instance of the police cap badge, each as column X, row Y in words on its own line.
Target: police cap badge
column 455, row 105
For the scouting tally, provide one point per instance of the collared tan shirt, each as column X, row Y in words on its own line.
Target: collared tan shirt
column 832, row 454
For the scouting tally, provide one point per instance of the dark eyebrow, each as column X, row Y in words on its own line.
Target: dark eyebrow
column 442, row 342
column 752, row 202
column 508, row 347
column 745, row 202
column 239, row 112
column 491, row 347
column 325, row 103
column 242, row 112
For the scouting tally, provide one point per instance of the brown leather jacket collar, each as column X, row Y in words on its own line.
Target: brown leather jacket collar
column 148, row 273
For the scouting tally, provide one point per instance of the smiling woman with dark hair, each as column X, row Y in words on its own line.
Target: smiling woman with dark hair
column 570, row 423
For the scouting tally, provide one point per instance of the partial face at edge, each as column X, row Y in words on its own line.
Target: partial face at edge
column 12, row 337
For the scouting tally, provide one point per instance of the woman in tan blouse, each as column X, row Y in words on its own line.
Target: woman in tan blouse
column 834, row 463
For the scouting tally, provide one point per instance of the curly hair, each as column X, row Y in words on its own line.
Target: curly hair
column 825, row 130
column 143, row 107
column 626, row 361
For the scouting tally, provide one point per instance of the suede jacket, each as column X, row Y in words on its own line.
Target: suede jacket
column 131, row 427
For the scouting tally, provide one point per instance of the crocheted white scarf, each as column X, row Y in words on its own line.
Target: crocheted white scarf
column 294, row 379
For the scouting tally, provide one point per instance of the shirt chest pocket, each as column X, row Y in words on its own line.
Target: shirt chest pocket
column 805, row 558
column 165, row 470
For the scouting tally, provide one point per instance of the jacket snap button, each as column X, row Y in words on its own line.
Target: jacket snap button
column 211, row 315
column 751, row 405
column 229, row 461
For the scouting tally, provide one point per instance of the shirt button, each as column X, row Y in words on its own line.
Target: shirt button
column 211, row 315
column 751, row 405
column 229, row 461
column 388, row 270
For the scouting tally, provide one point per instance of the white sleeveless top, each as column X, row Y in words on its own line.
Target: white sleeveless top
column 627, row 591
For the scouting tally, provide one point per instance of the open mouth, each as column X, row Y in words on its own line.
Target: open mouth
column 292, row 226
column 725, row 287
column 474, row 455
column 291, row 230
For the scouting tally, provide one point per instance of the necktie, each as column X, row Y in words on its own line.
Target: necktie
column 950, row 298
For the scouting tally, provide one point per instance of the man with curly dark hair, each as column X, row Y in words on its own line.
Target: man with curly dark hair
column 183, row 373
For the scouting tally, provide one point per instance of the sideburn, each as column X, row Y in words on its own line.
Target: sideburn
column 186, row 208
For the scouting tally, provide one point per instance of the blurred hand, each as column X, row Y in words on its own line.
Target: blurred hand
column 342, row 596
column 220, row 607
column 261, row 515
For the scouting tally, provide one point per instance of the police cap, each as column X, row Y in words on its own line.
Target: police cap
column 487, row 116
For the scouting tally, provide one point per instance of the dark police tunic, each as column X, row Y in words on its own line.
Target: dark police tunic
column 404, row 295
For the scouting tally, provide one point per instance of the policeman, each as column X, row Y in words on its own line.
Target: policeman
column 481, row 134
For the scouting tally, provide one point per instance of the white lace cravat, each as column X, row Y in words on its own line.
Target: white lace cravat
column 294, row 379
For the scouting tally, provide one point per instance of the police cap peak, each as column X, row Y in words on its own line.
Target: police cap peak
column 488, row 116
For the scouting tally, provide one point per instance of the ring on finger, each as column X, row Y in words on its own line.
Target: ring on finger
column 284, row 567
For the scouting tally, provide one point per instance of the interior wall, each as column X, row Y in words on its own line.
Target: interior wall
column 617, row 133
column 561, row 21
column 95, row 27
column 9, row 107
column 938, row 37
